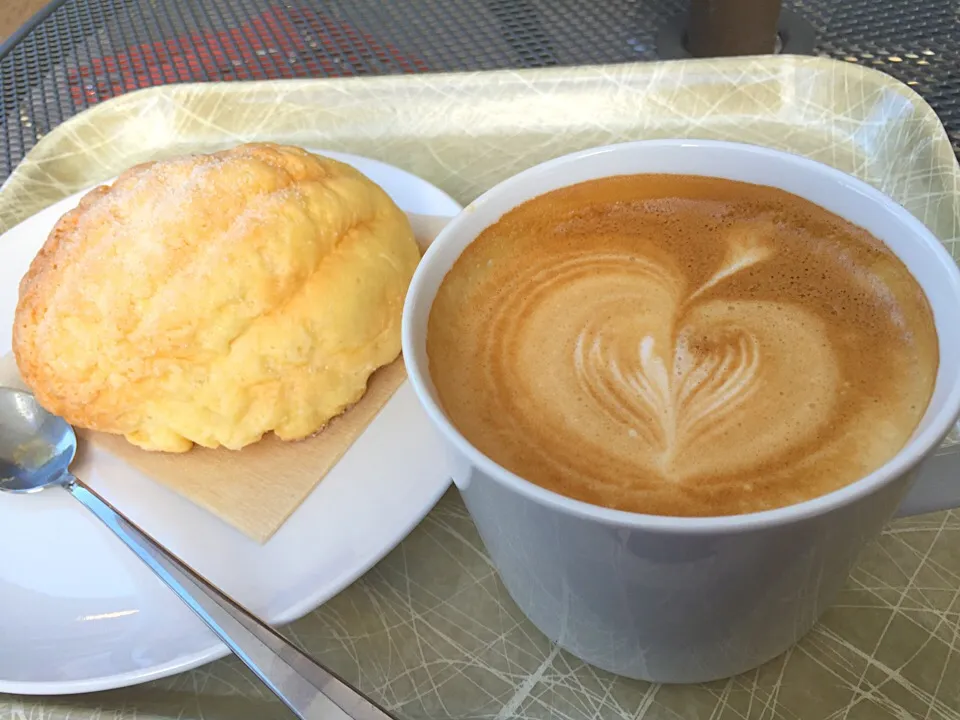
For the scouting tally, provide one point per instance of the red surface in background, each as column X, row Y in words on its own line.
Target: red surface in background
column 259, row 49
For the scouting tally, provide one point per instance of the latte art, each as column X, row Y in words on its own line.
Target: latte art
column 683, row 346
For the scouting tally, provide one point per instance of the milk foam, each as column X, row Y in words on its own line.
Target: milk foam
column 673, row 346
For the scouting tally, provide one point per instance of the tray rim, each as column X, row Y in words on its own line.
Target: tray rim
column 41, row 155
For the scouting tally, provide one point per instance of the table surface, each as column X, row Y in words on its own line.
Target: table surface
column 84, row 52
column 14, row 13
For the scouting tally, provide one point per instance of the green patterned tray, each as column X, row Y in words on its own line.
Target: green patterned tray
column 430, row 631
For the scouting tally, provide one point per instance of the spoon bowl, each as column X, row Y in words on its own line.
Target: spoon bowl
column 36, row 447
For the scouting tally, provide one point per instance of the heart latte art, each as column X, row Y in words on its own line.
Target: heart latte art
column 682, row 346
column 690, row 381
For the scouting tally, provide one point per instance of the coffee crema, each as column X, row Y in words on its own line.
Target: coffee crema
column 681, row 345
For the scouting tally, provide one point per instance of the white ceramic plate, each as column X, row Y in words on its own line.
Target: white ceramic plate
column 79, row 613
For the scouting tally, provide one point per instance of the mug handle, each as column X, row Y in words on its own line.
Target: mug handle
column 937, row 486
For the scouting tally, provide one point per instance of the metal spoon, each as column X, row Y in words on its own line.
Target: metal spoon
column 36, row 449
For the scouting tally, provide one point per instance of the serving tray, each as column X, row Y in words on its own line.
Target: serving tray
column 430, row 631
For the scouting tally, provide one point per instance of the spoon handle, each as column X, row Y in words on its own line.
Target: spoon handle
column 309, row 690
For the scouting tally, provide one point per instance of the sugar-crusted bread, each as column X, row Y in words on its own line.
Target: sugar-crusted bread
column 211, row 299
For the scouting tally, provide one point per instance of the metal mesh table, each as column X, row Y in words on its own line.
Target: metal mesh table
column 76, row 53
column 80, row 52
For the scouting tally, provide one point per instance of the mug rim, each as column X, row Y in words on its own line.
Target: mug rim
column 905, row 460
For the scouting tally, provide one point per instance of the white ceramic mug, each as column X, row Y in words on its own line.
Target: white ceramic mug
column 673, row 599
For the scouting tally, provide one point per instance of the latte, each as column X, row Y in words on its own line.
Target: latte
column 679, row 345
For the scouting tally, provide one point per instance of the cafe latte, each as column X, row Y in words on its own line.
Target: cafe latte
column 680, row 345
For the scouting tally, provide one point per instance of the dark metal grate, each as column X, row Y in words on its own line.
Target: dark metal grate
column 86, row 51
